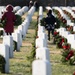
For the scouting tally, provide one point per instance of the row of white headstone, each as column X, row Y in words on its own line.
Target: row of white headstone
column 63, row 32
column 7, row 46
column 60, row 9
column 70, row 37
column 42, row 65
column 22, row 10
column 16, row 8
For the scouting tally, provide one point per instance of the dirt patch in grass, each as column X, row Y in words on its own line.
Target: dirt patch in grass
column 55, row 52
column 34, row 17
column 26, row 44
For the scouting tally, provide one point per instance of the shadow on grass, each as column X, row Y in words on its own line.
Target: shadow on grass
column 28, row 37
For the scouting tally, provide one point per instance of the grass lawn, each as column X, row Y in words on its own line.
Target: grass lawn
column 59, row 68
column 19, row 65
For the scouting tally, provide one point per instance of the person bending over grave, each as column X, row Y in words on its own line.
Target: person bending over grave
column 30, row 4
column 9, row 18
column 50, row 23
column 36, row 5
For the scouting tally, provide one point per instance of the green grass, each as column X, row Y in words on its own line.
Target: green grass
column 59, row 68
column 20, row 65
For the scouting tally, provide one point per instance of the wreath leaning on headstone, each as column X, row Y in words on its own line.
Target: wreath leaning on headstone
column 14, row 45
column 42, row 22
column 2, row 64
column 2, row 23
column 17, row 22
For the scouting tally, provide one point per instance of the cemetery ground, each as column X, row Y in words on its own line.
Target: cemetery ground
column 20, row 65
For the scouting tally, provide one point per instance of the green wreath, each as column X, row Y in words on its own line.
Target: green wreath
column 2, row 64
column 15, row 45
column 18, row 20
column 42, row 22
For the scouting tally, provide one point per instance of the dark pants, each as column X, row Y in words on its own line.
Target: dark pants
column 9, row 33
column 50, row 28
column 52, row 31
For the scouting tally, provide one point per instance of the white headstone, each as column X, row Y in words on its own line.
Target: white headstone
column 61, row 30
column 42, row 35
column 19, row 12
column 73, row 44
column 4, row 51
column 20, row 36
column 24, row 29
column 20, row 28
column 8, row 40
column 31, row 11
column 41, row 28
column 16, row 8
column 25, row 8
column 40, row 42
column 66, row 33
column 41, row 67
column 68, row 22
column 42, row 53
column 16, row 38
column 71, row 24
column 70, row 37
column 26, row 24
column 73, row 28
column 40, row 13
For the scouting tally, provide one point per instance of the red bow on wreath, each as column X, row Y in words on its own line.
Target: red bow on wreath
column 71, row 53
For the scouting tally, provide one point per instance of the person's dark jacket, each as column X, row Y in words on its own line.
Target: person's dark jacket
column 50, row 19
